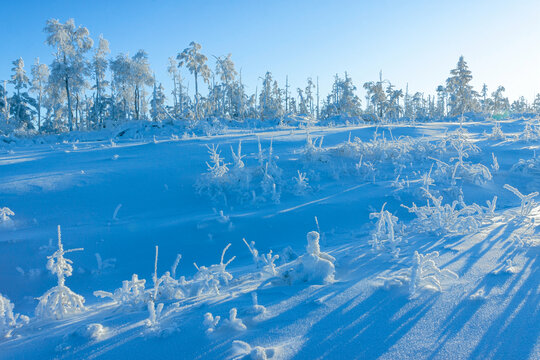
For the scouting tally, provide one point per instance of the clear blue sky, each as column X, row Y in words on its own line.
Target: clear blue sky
column 415, row 42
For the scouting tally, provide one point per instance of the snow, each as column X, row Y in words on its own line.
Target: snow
column 453, row 279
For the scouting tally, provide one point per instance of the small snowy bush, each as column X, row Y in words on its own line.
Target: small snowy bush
column 210, row 279
column 233, row 322
column 527, row 201
column 423, row 274
column 384, row 236
column 265, row 261
column 60, row 302
column 314, row 266
column 242, row 350
column 131, row 294
column 5, row 214
column 9, row 320
column 445, row 218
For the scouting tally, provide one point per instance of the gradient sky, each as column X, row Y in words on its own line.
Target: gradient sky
column 414, row 42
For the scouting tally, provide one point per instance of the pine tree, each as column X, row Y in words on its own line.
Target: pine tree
column 461, row 93
column 157, row 104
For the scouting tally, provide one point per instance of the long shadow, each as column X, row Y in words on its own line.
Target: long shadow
column 369, row 329
column 514, row 333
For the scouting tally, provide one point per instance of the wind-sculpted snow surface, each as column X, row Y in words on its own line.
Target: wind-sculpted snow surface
column 396, row 241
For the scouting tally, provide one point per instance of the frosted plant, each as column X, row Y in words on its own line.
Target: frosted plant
column 264, row 261
column 384, row 237
column 237, row 157
column 217, row 167
column 527, row 202
column 314, row 266
column 425, row 274
column 445, row 218
column 209, row 279
column 301, row 185
column 496, row 132
column 60, row 302
column 256, row 308
column 95, row 332
column 175, row 265
column 5, row 213
column 242, row 350
column 527, row 166
column 233, row 322
column 489, row 210
column 9, row 320
column 210, row 322
column 154, row 315
column 529, row 134
column 495, row 165
column 131, row 294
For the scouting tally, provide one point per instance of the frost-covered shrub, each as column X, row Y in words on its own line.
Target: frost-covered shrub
column 423, row 274
column 527, row 201
column 242, row 350
column 9, row 320
column 60, row 302
column 530, row 132
column 301, row 185
column 384, row 236
column 530, row 166
column 445, row 218
column 314, row 266
column 210, row 322
column 242, row 182
column 496, row 132
column 266, row 262
column 154, row 314
column 233, row 322
column 210, row 279
column 131, row 294
column 5, row 214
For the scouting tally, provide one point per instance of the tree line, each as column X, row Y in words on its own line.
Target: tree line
column 84, row 89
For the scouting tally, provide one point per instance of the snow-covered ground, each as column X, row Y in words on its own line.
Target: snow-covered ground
column 472, row 290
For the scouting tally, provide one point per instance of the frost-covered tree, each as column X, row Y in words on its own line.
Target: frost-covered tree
column 21, row 100
column 141, row 76
column 441, row 101
column 157, row 104
column 342, row 100
column 270, row 105
column 99, row 65
column 195, row 62
column 9, row 320
column 227, row 74
column 69, row 67
column 40, row 77
column 499, row 103
column 60, row 302
column 519, row 106
column 122, row 86
column 461, row 96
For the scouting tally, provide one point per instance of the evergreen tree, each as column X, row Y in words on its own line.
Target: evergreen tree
column 461, row 94
column 157, row 104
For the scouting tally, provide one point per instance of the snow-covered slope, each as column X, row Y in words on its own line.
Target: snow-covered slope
column 475, row 294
